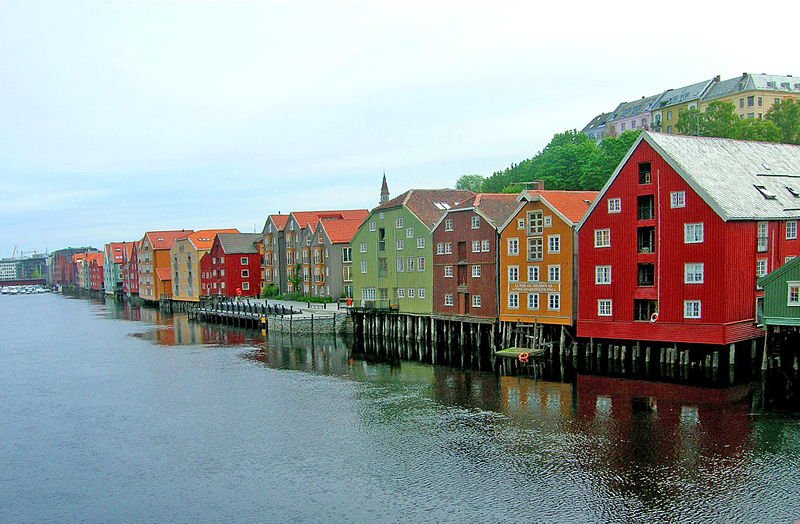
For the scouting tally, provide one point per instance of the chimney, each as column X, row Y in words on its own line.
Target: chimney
column 537, row 185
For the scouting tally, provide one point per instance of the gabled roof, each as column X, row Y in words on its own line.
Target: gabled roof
column 95, row 258
column 428, row 204
column 570, row 206
column 310, row 218
column 634, row 108
column 596, row 122
column 340, row 231
column 740, row 180
column 115, row 250
column 204, row 239
column 778, row 273
column 279, row 221
column 165, row 239
column 495, row 208
column 239, row 243
column 163, row 274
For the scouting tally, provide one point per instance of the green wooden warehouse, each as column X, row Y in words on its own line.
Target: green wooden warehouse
column 781, row 313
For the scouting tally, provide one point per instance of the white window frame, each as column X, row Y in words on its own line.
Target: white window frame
column 793, row 286
column 421, row 293
column 602, row 275
column 605, row 307
column 762, row 267
column 691, row 272
column 363, row 247
column 400, row 264
column 399, row 244
column 551, row 298
column 475, row 222
column 693, row 233
column 476, row 246
column 245, row 286
column 420, row 263
column 521, row 224
column 364, row 267
column 692, row 309
column 448, row 299
column 513, row 247
column 409, row 232
column 245, row 273
column 398, row 222
column 411, row 292
column 401, row 293
column 448, row 271
column 485, row 246
column 421, row 243
column 602, row 237
column 533, row 274
column 554, row 270
column 244, row 261
column 440, row 248
column 448, row 248
column 476, row 271
column 677, row 199
column 513, row 273
column 448, row 224
column 533, row 301
column 476, row 301
column 373, row 226
column 614, row 205
column 513, row 300
column 553, row 244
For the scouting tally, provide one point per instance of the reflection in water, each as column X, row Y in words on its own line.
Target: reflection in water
column 584, row 447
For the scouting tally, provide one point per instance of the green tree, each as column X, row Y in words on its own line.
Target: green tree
column 719, row 120
column 297, row 279
column 786, row 116
column 471, row 183
column 759, row 130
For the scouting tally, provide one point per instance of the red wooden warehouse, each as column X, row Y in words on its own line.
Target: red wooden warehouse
column 232, row 267
column 671, row 249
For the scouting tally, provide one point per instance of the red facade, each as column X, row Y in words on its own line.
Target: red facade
column 95, row 262
column 648, row 258
column 456, row 281
column 130, row 269
column 230, row 274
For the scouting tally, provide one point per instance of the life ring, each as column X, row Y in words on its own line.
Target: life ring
column 654, row 317
column 523, row 357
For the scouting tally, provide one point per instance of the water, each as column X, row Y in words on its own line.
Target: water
column 111, row 413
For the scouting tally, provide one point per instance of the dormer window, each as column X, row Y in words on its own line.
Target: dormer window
column 766, row 193
column 793, row 192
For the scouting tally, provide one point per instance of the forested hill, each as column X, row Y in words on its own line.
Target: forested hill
column 571, row 160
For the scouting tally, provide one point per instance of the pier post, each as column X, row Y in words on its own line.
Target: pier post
column 647, row 355
column 765, row 356
column 732, row 355
column 561, row 341
column 715, row 360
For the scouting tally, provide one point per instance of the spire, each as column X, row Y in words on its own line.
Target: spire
column 384, row 190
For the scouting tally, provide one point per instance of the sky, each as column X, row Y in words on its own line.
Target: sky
column 121, row 117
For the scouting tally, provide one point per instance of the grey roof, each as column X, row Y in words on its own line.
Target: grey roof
column 751, row 82
column 673, row 97
column 725, row 88
column 596, row 122
column 634, row 108
column 235, row 243
column 740, row 180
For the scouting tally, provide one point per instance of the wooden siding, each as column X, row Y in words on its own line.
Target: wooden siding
column 462, row 285
column 565, row 315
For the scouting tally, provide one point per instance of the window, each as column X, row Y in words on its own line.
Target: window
column 410, row 263
column 669, row 115
column 533, row 273
column 245, row 286
column 476, row 271
column 521, row 224
column 513, row 246
column 245, row 273
column 761, row 267
column 602, row 274
column 614, row 205
column 347, row 255
column 347, row 273
column 751, row 101
column 691, row 309
column 475, row 222
column 476, row 301
column 448, row 299
column 448, row 271
column 645, row 207
column 793, row 298
column 677, row 199
column 363, row 247
column 476, row 246
column 535, row 249
column 363, row 266
column 398, row 222
column 791, row 230
column 554, row 243
column 448, row 248
column 244, row 261
column 513, row 300
column 440, row 248
column 399, row 245
column 513, row 273
column 368, row 293
column 420, row 263
column 554, row 273
column 373, row 226
column 602, row 238
column 420, row 242
column 693, row 233
column 741, row 103
column 533, row 300
column 554, row 301
column 411, row 292
column 645, row 173
column 484, row 246
column 693, row 273
column 421, row 292
column 448, row 224
column 763, row 236
column 401, row 293
column 548, row 221
column 535, row 225
column 604, row 308
column 400, row 266
column 409, row 232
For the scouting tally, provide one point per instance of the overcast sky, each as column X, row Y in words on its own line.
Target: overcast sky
column 122, row 117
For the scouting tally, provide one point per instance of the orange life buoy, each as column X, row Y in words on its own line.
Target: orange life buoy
column 654, row 317
column 523, row 357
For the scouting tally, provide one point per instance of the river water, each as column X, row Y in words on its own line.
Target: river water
column 118, row 414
